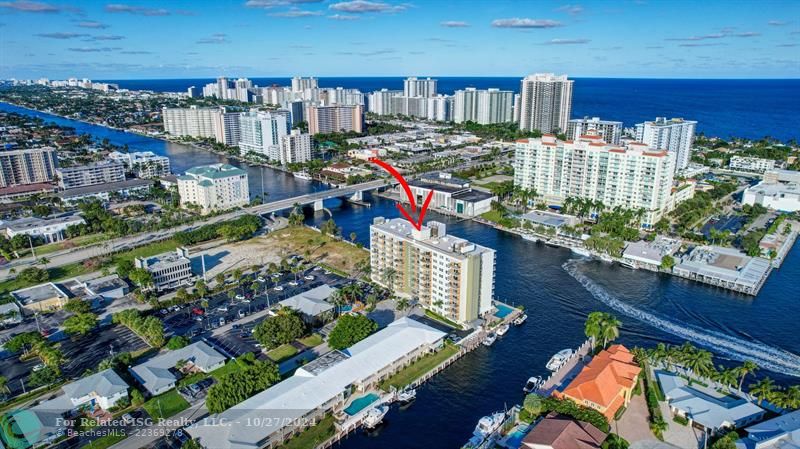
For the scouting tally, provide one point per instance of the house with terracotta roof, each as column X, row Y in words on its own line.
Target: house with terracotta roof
column 605, row 384
column 561, row 432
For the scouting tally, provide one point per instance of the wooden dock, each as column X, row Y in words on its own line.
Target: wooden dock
column 571, row 366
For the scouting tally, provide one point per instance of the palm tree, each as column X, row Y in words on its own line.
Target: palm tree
column 762, row 389
column 748, row 367
column 4, row 385
column 403, row 304
column 700, row 362
column 602, row 326
column 610, row 328
column 640, row 355
column 389, row 276
column 727, row 377
column 660, row 354
column 44, row 261
column 790, row 398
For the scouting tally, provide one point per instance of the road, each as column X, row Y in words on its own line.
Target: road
column 68, row 256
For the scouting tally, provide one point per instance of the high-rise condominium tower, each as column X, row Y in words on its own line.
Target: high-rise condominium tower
column 545, row 102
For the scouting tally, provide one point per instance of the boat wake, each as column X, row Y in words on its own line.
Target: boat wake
column 767, row 357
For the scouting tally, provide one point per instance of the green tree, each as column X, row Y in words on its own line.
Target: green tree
column 34, row 275
column 141, row 277
column 80, row 323
column 43, row 376
column 178, row 342
column 747, row 367
column 4, row 385
column 77, row 306
column 237, row 386
column 137, row 398
column 349, row 330
column 603, row 327
column 614, row 441
column 762, row 389
column 667, row 263
column 283, row 328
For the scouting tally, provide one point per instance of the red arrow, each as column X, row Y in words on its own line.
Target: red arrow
column 416, row 223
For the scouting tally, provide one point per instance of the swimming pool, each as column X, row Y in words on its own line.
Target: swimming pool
column 502, row 310
column 514, row 438
column 361, row 403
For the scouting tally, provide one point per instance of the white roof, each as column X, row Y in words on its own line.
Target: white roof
column 782, row 432
column 312, row 302
column 155, row 373
column 105, row 384
column 296, row 396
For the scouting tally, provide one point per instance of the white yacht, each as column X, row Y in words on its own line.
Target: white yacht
column 628, row 264
column 375, row 416
column 302, row 175
column 502, row 330
column 490, row 339
column 558, row 359
column 581, row 251
column 530, row 238
column 486, row 429
column 406, row 395
column 520, row 319
column 532, row 384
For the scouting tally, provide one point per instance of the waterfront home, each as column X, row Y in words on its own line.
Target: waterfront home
column 605, row 384
column 159, row 374
column 562, row 432
column 312, row 305
column 331, row 384
column 648, row 255
column 705, row 407
column 782, row 432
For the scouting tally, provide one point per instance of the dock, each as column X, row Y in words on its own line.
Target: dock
column 567, row 371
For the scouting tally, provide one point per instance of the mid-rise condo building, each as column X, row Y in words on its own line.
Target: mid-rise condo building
column 448, row 275
column 331, row 119
column 192, row 121
column 144, row 164
column 674, row 135
column 295, row 147
column 483, row 106
column 261, row 133
column 27, row 166
column 104, row 172
column 632, row 177
column 751, row 164
column 545, row 102
column 214, row 187
column 300, row 84
column 609, row 131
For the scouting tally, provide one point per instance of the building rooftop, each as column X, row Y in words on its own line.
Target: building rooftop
column 99, row 164
column 100, row 285
column 156, row 373
column 103, row 188
column 561, row 432
column 472, row 196
column 28, row 223
column 432, row 235
column 651, row 252
column 703, row 405
column 727, row 264
column 214, row 171
column 106, row 383
column 547, row 218
column 311, row 303
column 307, row 390
column 782, row 432
column 41, row 292
column 164, row 260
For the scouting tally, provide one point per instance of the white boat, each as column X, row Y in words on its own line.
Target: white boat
column 302, row 175
column 488, row 425
column 532, row 384
column 490, row 339
column 530, row 238
column 502, row 330
column 375, row 416
column 406, row 395
column 628, row 264
column 520, row 319
column 558, row 360
column 581, row 251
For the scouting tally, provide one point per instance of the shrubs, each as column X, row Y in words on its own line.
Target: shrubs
column 231, row 230
column 283, row 328
column 349, row 330
column 177, row 342
column 237, row 386
column 149, row 328
column 564, row 407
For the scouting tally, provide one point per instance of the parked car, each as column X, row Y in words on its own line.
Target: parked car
column 242, row 313
column 279, row 288
column 127, row 418
column 294, row 283
column 309, row 277
column 239, row 297
column 198, row 311
column 222, row 308
column 261, row 279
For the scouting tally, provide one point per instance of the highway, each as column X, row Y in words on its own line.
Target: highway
column 72, row 255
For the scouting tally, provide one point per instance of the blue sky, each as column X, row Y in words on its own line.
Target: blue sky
column 185, row 39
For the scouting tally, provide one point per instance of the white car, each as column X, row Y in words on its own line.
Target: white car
column 242, row 313
column 293, row 283
column 239, row 297
column 279, row 288
column 222, row 308
column 38, row 367
column 309, row 277
column 261, row 279
column 276, row 275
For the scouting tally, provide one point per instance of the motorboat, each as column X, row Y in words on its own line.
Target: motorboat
column 375, row 416
column 490, row 339
column 558, row 360
column 488, row 425
column 532, row 384
column 406, row 395
column 581, row 251
column 302, row 175
column 520, row 319
column 530, row 238
column 502, row 330
column 628, row 264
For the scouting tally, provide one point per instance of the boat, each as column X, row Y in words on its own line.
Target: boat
column 552, row 245
column 490, row 339
column 406, row 395
column 530, row 238
column 532, row 384
column 520, row 319
column 302, row 175
column 502, row 330
column 628, row 264
column 375, row 416
column 488, row 425
column 581, row 251
column 558, row 360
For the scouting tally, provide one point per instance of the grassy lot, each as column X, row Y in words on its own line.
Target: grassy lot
column 311, row 341
column 282, row 352
column 146, row 251
column 435, row 316
column 165, row 405
column 493, row 215
column 57, row 273
column 299, row 239
column 106, row 441
column 229, row 367
column 419, row 368
column 75, row 242
column 312, row 436
column 191, row 379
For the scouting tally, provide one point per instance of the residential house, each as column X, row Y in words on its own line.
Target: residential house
column 562, row 432
column 159, row 374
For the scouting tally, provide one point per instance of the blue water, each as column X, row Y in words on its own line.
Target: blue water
column 502, row 310
column 515, row 437
column 557, row 293
column 723, row 108
column 361, row 403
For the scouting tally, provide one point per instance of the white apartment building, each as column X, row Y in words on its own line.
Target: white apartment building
column 545, row 102
column 674, row 135
column 439, row 108
column 330, row 119
column 27, row 166
column 340, row 95
column 608, row 130
column 483, row 106
column 751, row 164
column 295, row 147
column 380, row 101
column 448, row 275
column 192, row 121
column 226, row 126
column 780, row 196
column 214, row 187
column 415, row 87
column 144, row 164
column 261, row 132
column 104, row 172
column 300, row 84
column 632, row 177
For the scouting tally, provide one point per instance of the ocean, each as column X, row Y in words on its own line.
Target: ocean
column 723, row 108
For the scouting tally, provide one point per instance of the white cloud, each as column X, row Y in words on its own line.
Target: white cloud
column 454, row 24
column 525, row 23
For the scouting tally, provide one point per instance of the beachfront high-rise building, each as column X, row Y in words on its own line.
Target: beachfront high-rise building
column 631, row 177
column 27, row 166
column 333, row 119
column 242, row 87
column 609, row 131
column 214, row 187
column 483, row 106
column 261, row 132
column 380, row 101
column 295, row 147
column 192, row 121
column 448, row 275
column 300, row 84
column 415, row 87
column 545, row 102
column 674, row 135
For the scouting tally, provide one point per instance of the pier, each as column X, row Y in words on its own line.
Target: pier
column 567, row 371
